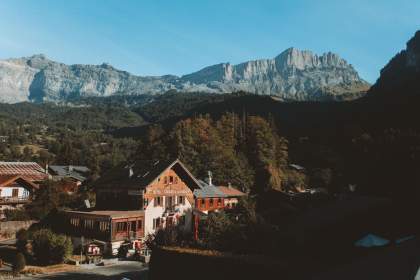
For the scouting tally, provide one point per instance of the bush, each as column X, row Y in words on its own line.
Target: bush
column 168, row 236
column 50, row 248
column 22, row 240
column 19, row 263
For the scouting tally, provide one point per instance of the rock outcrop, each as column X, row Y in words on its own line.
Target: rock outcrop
column 292, row 76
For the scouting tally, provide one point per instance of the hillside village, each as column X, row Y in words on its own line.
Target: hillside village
column 293, row 167
column 132, row 203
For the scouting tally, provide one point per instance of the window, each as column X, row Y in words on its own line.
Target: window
column 103, row 226
column 158, row 201
column 176, row 180
column 89, row 224
column 165, row 180
column 219, row 202
column 203, row 202
column 121, row 226
column 15, row 192
column 171, row 179
column 139, row 224
column 181, row 200
column 145, row 202
column 25, row 193
column 169, row 201
column 75, row 222
column 156, row 223
column 211, row 202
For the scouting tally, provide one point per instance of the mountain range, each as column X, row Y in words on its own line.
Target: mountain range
column 294, row 75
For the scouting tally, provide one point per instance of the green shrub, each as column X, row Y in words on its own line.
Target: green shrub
column 19, row 263
column 50, row 248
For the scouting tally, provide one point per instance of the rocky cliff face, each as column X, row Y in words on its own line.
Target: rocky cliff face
column 401, row 76
column 293, row 75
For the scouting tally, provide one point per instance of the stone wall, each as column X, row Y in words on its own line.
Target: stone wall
column 9, row 228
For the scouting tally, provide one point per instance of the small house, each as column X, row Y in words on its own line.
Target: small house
column 15, row 191
column 71, row 176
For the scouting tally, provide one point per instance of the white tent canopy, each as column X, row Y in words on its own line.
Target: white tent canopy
column 371, row 240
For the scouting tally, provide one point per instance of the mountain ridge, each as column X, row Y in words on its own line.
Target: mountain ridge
column 293, row 75
column 400, row 77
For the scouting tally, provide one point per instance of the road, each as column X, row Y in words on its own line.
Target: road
column 130, row 270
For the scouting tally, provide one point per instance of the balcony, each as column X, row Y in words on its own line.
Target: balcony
column 13, row 200
column 172, row 209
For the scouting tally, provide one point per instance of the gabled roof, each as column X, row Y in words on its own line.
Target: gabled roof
column 31, row 171
column 231, row 192
column 6, row 180
column 70, row 171
column 207, row 190
column 142, row 173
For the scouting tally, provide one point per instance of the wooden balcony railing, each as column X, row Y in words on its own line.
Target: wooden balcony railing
column 13, row 200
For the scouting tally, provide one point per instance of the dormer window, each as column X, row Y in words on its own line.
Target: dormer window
column 171, row 179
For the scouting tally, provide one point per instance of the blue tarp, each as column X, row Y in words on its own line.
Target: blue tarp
column 371, row 240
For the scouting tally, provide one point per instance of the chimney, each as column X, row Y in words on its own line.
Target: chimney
column 46, row 169
column 130, row 172
column 210, row 179
column 70, row 168
column 229, row 185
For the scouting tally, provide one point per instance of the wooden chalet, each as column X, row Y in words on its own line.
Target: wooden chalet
column 71, row 177
column 159, row 192
column 15, row 191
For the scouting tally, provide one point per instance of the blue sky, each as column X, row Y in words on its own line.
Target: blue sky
column 158, row 37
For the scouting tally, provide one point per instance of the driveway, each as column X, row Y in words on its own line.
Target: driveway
column 131, row 270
